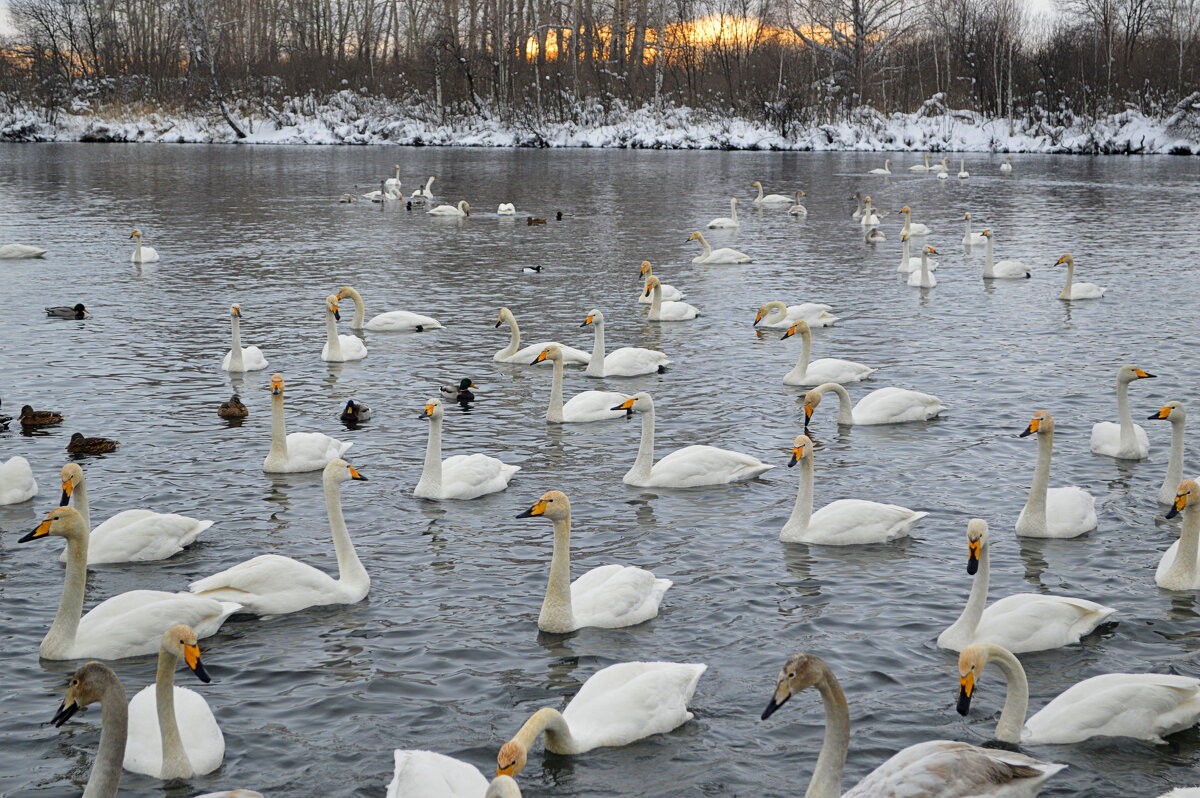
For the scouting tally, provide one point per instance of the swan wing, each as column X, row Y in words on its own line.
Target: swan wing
column 613, row 596
column 854, row 521
column 402, row 320
column 633, row 361
column 1070, row 511
column 14, row 251
column 141, row 535
column 352, row 348
column 593, row 406
column 1106, row 440
column 895, row 406
column 1145, row 706
column 831, row 369
column 17, row 483
column 130, row 624
column 271, row 584
column 312, row 451
column 198, row 729
column 425, row 774
column 631, row 700
column 676, row 311
column 466, row 476
column 727, row 255
column 692, row 466
column 916, row 279
column 1010, row 270
column 1176, row 583
column 949, row 769
column 1086, row 291
column 1027, row 622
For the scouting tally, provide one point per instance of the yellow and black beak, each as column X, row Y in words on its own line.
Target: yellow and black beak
column 67, row 488
column 1162, row 413
column 40, row 531
column 626, row 405
column 758, row 317
column 540, row 358
column 588, row 321
column 797, row 456
column 276, row 387
column 65, row 710
column 1033, row 427
column 509, row 770
column 237, row 312
column 808, row 411
column 781, row 696
column 1143, row 375
column 427, row 412
column 538, row 508
column 1176, row 509
column 973, row 549
column 649, row 288
column 355, row 475
column 336, row 315
column 499, row 321
column 790, row 332
column 966, row 686
column 191, row 655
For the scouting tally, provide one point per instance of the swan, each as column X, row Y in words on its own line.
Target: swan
column 339, row 348
column 423, row 194
column 943, row 174
column 778, row 315
column 95, row 682
column 923, row 276
column 730, row 221
column 826, row 369
column 463, row 476
column 172, row 732
column 608, row 597
column 142, row 254
column 16, row 481
column 628, row 361
column 1006, row 167
column 1173, row 412
column 881, row 406
column 870, row 216
column 666, row 311
column 130, row 535
column 392, row 321
column 845, row 522
column 271, row 584
column 583, row 407
column 1053, row 513
column 689, row 467
column 909, row 264
column 384, row 193
column 724, row 255
column 797, row 209
column 1005, row 269
column 616, row 706
column 669, row 292
column 299, row 451
column 425, row 774
column 1177, row 569
column 920, row 167
column 911, row 228
column 1073, row 290
column 963, row 174
column 940, row 167
column 1126, row 440
column 461, row 209
column 126, row 625
column 513, row 353
column 932, row 769
column 393, row 183
column 506, row 209
column 971, row 239
column 1144, row 706
column 20, row 251
column 874, row 236
column 858, row 212
column 769, row 199
column 239, row 358
column 886, row 170
column 1020, row 622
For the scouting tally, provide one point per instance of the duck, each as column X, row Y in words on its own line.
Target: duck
column 173, row 733
column 271, row 584
column 531, row 269
column 391, row 321
column 531, row 221
column 299, row 451
column 845, row 522
column 91, row 683
column 1144, row 706
column 909, row 264
column 923, row 277
column 886, row 170
column 583, row 407
column 931, row 769
column 79, row 311
column 558, row 216
column 689, row 467
column 130, row 535
column 239, row 358
column 1005, row 269
column 463, row 476
column 669, row 292
column 920, row 167
column 882, row 406
column 461, row 393
column 426, row 774
column 1177, row 570
column 627, row 361
column 607, row 597
column 339, row 348
column 797, row 209
column 345, row 198
column 1066, row 512
column 1020, row 622
column 20, row 251
column 505, row 209
column 1073, row 290
column 969, row 238
column 1173, row 412
column 724, row 255
column 233, row 408
column 826, row 369
column 461, row 209
column 1006, row 166
column 142, row 254
column 16, row 481
column 83, row 445
column 354, row 412
column 726, row 222
column 38, row 418
column 616, row 706
column 963, row 174
column 769, row 199
column 127, row 625
column 423, row 194
column 779, row 315
column 526, row 356
column 911, row 228
column 1124, row 440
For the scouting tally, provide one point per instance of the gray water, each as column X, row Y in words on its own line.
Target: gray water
column 445, row 654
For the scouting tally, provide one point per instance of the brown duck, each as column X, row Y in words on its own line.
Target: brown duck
column 39, row 418
column 81, row 445
column 532, row 220
column 233, row 408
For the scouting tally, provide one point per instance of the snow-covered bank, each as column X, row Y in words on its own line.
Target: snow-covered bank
column 352, row 118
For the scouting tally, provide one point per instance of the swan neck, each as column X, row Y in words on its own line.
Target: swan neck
column 114, row 733
column 431, row 473
column 553, row 724
column 334, row 345
column 1127, row 435
column 556, row 614
column 906, row 255
column 278, row 429
column 235, row 357
column 514, row 337
column 759, row 198
column 805, row 354
column 988, row 265
column 826, row 779
column 845, row 408
column 1016, row 699
column 596, row 364
column 924, row 265
column 554, row 413
column 656, row 302
column 802, row 510
column 79, row 499
column 1035, row 506
column 1184, row 566
column 733, row 210
column 360, row 309
column 644, row 463
column 61, row 637
column 704, row 241
column 1175, row 463
column 175, row 763
column 350, row 568
column 1066, row 292
column 972, row 613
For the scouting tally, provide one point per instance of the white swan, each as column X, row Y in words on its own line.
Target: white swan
column 392, row 321
column 339, row 348
column 970, row 239
column 923, row 277
column 769, row 199
column 461, row 209
column 514, row 353
column 16, row 481
column 940, row 167
column 870, row 216
column 689, row 467
column 463, row 476
column 825, row 369
column 384, row 193
column 299, row 451
column 1007, row 165
column 1053, row 512
column 271, row 584
column 724, row 255
column 239, row 358
column 797, row 209
column 669, row 292
column 1126, row 440
column 882, row 406
column 142, row 254
column 858, row 212
column 425, row 774
column 725, row 222
column 932, row 769
column 1022, row 621
column 666, row 311
column 1002, row 270
column 91, row 683
column 20, row 251
column 1173, row 412
column 779, row 315
column 393, row 182
column 1144, row 706
column 909, row 264
column 874, row 236
column 130, row 535
column 628, row 361
column 425, row 194
column 920, row 167
column 963, row 174
column 911, row 228
column 583, row 407
column 943, row 174
column 172, row 732
column 608, row 597
column 886, row 170
column 616, row 706
column 845, row 522
column 126, row 625
column 1073, row 290
column 506, row 209
column 1177, row 570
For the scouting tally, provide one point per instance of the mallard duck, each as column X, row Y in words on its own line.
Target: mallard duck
column 355, row 412
column 4, row 419
column 81, row 445
column 39, row 418
column 532, row 220
column 233, row 408
column 64, row 312
column 462, row 394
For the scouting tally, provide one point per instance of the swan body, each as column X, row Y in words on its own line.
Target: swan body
column 778, row 315
column 339, row 348
column 20, row 251
column 870, row 217
column 142, row 254
column 941, row 168
column 724, row 255
column 392, row 321
column 463, row 476
column 920, row 167
column 666, row 311
column 963, row 174
column 1177, row 570
column 971, row 239
column 669, row 292
column 1073, row 290
column 393, row 182
column 908, row 263
column 1020, row 622
column 1002, row 270
column 1006, row 167
column 423, row 194
column 769, row 199
column 797, row 209
column 886, row 170
column 628, row 361
column 1173, row 412
column 506, row 209
column 425, row 774
column 461, row 209
column 691, row 466
column 882, row 406
column 299, row 451
column 582, row 407
column 384, row 193
column 16, row 481
column 874, row 236
column 826, row 369
column 240, row 358
column 527, row 356
column 923, row 277
column 726, row 222
column 911, row 228
column 1124, row 440
column 1052, row 512
column 943, row 175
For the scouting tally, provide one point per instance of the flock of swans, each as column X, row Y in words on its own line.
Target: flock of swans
column 170, row 732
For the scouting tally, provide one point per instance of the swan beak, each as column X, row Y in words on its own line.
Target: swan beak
column 973, row 547
column 626, row 405
column 647, row 291
column 1163, row 413
column 65, row 710
column 237, row 311
column 355, row 475
column 509, row 770
column 588, row 321
column 758, row 317
column 191, row 655
column 1033, row 427
column 797, row 456
column 427, row 413
column 68, row 487
column 791, row 331
column 539, row 359
column 808, row 411
column 43, row 529
column 276, row 387
column 336, row 315
column 1143, row 375
column 1176, row 509
column 499, row 321
column 538, row 508
column 777, row 701
column 134, row 234
column 966, row 686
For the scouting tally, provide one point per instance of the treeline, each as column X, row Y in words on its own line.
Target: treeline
column 786, row 61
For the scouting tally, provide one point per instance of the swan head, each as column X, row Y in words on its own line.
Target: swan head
column 971, row 662
column 433, row 409
column 802, row 447
column 465, row 207
column 510, row 760
column 695, row 236
column 276, row 385
column 72, row 477
column 136, row 234
column 1131, row 373
column 800, row 672
column 866, row 199
column 180, row 642
column 552, row 352
column 87, row 686
column 593, row 317
column 932, row 251
column 756, row 184
column 967, row 216
column 645, row 268
column 1172, row 411
column 640, row 402
column 1067, row 259
column 904, row 236
column 63, row 522
column 906, row 209
column 346, row 292
column 811, row 400
column 977, row 532
column 1041, row 423
column 235, row 310
column 765, row 309
column 1188, row 494
column 338, row 471
column 986, row 234
column 505, row 315
column 553, row 505
column 331, row 306
column 651, row 283
column 799, row 328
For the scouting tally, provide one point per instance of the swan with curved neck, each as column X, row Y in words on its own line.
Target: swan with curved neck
column 1053, row 513
column 299, row 451
column 238, row 358
column 666, row 311
column 922, row 277
column 1173, row 412
column 726, row 222
column 1005, row 269
column 515, row 353
column 91, row 683
column 1123, row 440
column 462, row 476
column 395, row 320
column 609, row 596
column 886, row 170
column 724, row 255
column 920, row 167
column 881, row 406
column 826, row 369
column 628, row 361
column 780, row 315
column 669, row 292
column 1179, row 568
column 339, row 348
column 1072, row 290
column 933, row 769
column 463, row 208
column 769, row 199
column 583, row 407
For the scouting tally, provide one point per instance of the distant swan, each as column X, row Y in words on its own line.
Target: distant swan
column 299, row 451
column 669, row 292
column 526, row 356
column 1053, row 512
column 583, row 407
column 628, row 361
column 963, row 174
column 1007, row 165
column 911, row 228
column 241, row 358
column 394, row 320
column 769, row 199
column 798, row 209
column 461, row 209
column 339, row 348
column 724, row 255
column 19, row 251
column 1073, row 290
column 730, row 221
column 423, row 194
column 971, row 239
column 142, row 254
column 920, row 167
column 1005, row 269
column 506, row 209
column 922, row 277
column 779, row 315
column 826, row 369
column 666, row 311
column 886, row 170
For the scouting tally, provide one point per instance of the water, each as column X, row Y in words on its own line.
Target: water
column 445, row 653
